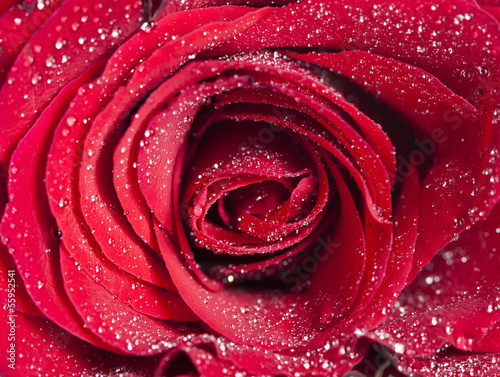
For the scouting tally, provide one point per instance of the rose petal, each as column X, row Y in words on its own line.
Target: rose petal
column 376, row 231
column 452, row 364
column 405, row 219
column 105, row 133
column 5, row 5
column 259, row 312
column 18, row 22
column 25, row 222
column 291, row 75
column 307, row 24
column 189, row 361
column 23, row 303
column 284, row 158
column 8, row 271
column 336, row 136
column 456, row 141
column 494, row 11
column 114, row 322
column 182, row 5
column 491, row 340
column 238, row 18
column 32, row 79
column 454, row 300
column 68, row 214
column 46, row 350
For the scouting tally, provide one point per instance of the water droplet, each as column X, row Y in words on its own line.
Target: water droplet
column 70, row 121
column 448, row 182
column 436, row 320
column 326, row 318
column 148, row 26
column 491, row 308
column 59, row 43
column 28, row 61
column 399, row 348
column 55, row 232
column 467, row 75
column 465, row 342
column 196, row 211
column 49, row 62
column 459, row 222
column 484, row 71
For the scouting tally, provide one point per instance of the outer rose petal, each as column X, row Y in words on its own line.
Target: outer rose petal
column 181, row 5
column 193, row 361
column 26, row 221
column 452, row 364
column 24, row 303
column 455, row 135
column 328, row 361
column 63, row 163
column 454, row 300
column 19, row 112
column 383, row 31
column 113, row 321
column 5, row 5
column 493, row 11
column 13, row 35
column 491, row 340
column 43, row 349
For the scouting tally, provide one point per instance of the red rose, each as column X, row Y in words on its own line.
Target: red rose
column 193, row 187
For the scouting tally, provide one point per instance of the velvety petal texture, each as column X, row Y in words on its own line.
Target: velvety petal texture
column 248, row 188
column 453, row 305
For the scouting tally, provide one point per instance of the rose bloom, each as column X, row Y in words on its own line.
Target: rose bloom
column 250, row 188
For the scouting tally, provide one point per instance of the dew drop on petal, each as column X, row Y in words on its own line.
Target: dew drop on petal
column 70, row 121
column 465, row 342
column 59, row 43
column 55, row 232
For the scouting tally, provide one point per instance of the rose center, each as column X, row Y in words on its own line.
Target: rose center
column 244, row 191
